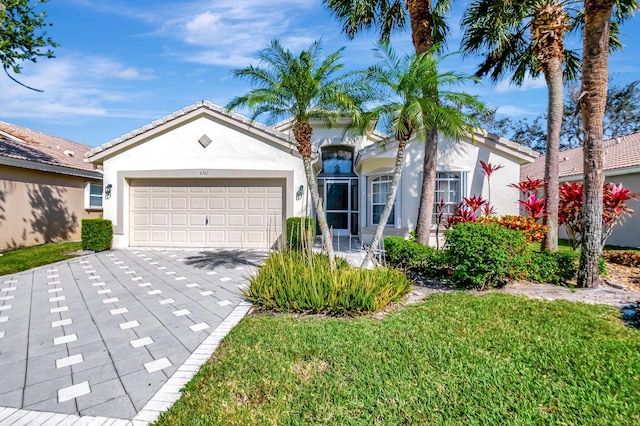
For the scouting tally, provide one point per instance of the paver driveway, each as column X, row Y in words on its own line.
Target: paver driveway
column 99, row 335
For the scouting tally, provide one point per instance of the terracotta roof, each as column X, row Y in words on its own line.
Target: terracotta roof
column 22, row 143
column 619, row 153
column 207, row 105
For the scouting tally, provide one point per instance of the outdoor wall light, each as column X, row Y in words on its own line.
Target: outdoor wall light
column 299, row 193
column 107, row 191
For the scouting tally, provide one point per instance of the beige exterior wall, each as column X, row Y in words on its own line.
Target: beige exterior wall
column 627, row 235
column 40, row 207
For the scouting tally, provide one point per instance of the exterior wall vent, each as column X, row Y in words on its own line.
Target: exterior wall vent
column 205, row 141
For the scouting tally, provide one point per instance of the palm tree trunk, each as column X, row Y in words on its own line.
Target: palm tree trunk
column 302, row 133
column 555, row 90
column 594, row 89
column 391, row 196
column 421, row 20
column 429, row 169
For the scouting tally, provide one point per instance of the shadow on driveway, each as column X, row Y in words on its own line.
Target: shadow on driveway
column 226, row 258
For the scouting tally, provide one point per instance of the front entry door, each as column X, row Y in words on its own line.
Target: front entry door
column 338, row 204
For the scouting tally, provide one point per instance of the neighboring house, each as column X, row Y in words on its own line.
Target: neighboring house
column 621, row 165
column 46, row 188
column 204, row 177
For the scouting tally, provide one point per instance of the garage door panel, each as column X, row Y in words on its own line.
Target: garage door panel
column 206, row 213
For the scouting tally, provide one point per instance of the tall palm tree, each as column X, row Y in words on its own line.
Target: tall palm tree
column 428, row 28
column 526, row 38
column 414, row 97
column 596, row 47
column 302, row 87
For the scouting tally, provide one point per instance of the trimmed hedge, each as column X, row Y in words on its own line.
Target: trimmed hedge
column 552, row 267
column 299, row 281
column 301, row 231
column 97, row 234
column 409, row 254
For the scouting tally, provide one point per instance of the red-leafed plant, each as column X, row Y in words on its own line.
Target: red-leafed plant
column 488, row 170
column 529, row 186
column 534, row 206
column 474, row 202
column 614, row 203
column 462, row 214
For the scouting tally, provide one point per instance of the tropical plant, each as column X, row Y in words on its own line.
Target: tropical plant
column 534, row 206
column 19, row 37
column 302, row 87
column 429, row 28
column 528, row 186
column 596, row 46
column 615, row 210
column 413, row 97
column 526, row 38
column 488, row 169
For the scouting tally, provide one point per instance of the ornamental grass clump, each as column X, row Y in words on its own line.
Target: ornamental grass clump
column 293, row 281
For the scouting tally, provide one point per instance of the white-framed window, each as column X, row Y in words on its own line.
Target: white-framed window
column 92, row 196
column 450, row 188
column 380, row 187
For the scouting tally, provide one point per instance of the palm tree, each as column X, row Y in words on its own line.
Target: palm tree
column 525, row 38
column 304, row 87
column 428, row 28
column 596, row 47
column 413, row 98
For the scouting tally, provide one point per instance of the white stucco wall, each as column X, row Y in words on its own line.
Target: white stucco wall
column 178, row 150
column 460, row 156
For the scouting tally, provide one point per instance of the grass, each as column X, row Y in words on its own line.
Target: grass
column 563, row 245
column 25, row 258
column 455, row 359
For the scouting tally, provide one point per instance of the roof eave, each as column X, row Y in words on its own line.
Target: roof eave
column 50, row 168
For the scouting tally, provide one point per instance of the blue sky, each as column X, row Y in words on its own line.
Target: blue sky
column 122, row 64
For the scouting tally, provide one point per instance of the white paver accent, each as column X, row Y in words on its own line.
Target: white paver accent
column 61, row 322
column 60, row 309
column 239, row 268
column 1, row 334
column 105, row 291
column 192, row 285
column 212, row 273
column 4, row 319
column 86, row 266
column 53, row 276
column 71, row 392
column 181, row 312
column 52, row 270
column 65, row 339
column 10, row 281
column 199, row 327
column 7, row 289
column 54, row 290
column 173, row 255
column 57, row 299
column 54, row 282
column 166, row 301
column 90, row 271
column 111, row 300
column 225, row 302
column 157, row 365
column 225, row 279
column 144, row 284
column 70, row 360
column 94, row 277
column 129, row 272
column 170, row 273
column 141, row 342
column 84, row 261
column 136, row 279
column 100, row 284
column 127, row 325
column 206, row 293
column 5, row 307
column 124, row 267
column 153, row 263
column 119, row 311
column 118, row 263
column 3, row 298
column 152, row 292
column 242, row 286
column 181, row 278
column 162, row 268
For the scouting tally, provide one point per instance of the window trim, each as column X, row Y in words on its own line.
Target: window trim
column 88, row 196
column 396, row 203
column 463, row 178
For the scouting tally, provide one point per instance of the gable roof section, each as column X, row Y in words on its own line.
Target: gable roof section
column 184, row 115
column 28, row 148
column 500, row 144
column 619, row 154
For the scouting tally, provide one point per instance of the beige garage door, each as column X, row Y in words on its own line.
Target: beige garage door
column 206, row 213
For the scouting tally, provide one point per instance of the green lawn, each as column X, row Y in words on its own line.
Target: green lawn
column 30, row 257
column 454, row 359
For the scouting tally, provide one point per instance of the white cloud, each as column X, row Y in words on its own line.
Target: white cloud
column 72, row 86
column 529, row 83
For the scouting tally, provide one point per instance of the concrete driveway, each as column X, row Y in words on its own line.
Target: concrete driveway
column 114, row 335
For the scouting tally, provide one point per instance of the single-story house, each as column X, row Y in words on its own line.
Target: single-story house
column 621, row 165
column 46, row 187
column 205, row 177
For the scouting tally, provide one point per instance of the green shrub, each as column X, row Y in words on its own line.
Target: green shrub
column 409, row 254
column 552, row 267
column 602, row 266
column 97, row 234
column 294, row 281
column 301, row 231
column 483, row 256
